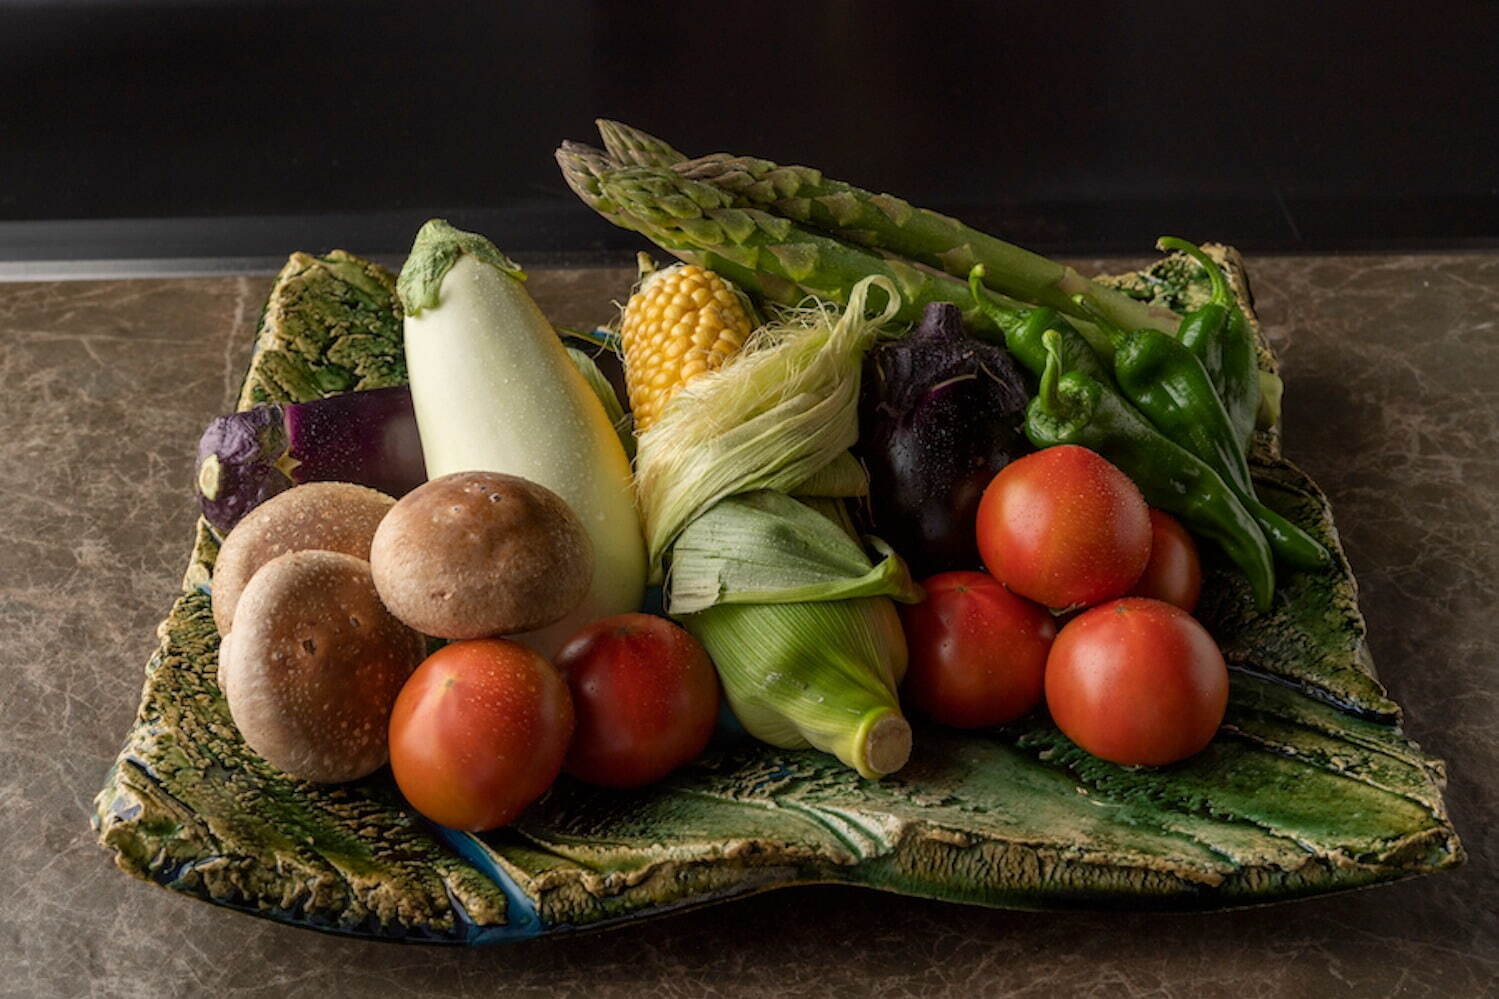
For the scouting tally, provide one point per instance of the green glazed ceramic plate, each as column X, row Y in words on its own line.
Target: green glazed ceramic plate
column 1310, row 786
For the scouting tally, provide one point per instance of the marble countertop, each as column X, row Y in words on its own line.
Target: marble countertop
column 1392, row 388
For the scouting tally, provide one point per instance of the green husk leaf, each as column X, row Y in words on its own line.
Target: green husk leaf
column 438, row 246
column 819, row 674
column 766, row 548
column 769, row 419
column 835, row 510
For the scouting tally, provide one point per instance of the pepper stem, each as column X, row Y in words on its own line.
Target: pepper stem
column 1050, row 398
column 1222, row 294
column 1115, row 335
column 1005, row 318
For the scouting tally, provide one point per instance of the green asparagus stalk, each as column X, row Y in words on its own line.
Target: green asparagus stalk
column 884, row 222
column 767, row 255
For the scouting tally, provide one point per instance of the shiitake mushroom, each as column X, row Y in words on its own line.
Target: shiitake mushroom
column 314, row 664
column 328, row 516
column 477, row 554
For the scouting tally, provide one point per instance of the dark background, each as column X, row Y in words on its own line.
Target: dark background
column 231, row 128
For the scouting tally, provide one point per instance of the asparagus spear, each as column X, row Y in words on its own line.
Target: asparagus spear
column 888, row 223
column 765, row 254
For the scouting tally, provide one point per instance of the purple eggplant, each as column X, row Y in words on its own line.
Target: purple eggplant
column 365, row 437
column 939, row 414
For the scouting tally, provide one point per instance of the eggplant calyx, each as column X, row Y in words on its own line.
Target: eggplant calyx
column 941, row 321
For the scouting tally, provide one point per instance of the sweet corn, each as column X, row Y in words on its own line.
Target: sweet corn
column 680, row 322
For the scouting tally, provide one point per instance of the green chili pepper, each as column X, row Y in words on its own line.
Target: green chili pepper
column 1023, row 329
column 1219, row 334
column 1075, row 408
column 1169, row 385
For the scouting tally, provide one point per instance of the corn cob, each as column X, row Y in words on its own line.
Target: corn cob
column 796, row 616
column 766, row 255
column 680, row 322
column 883, row 222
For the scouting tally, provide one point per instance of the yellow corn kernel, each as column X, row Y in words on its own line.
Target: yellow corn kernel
column 680, row 323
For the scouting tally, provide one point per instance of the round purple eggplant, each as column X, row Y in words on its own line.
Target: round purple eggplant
column 940, row 413
column 241, row 464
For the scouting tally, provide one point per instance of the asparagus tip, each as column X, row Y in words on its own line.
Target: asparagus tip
column 630, row 145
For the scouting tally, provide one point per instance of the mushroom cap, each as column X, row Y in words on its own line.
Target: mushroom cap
column 315, row 665
column 328, row 516
column 476, row 554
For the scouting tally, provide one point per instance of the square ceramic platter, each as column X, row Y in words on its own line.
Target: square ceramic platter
column 1309, row 787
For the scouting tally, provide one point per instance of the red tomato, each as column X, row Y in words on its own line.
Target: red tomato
column 978, row 652
column 646, row 697
column 1136, row 681
column 1174, row 573
column 1064, row 528
column 479, row 732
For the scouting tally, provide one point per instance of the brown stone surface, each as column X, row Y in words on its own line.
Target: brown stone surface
column 1391, row 366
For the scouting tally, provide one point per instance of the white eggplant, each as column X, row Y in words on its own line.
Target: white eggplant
column 494, row 390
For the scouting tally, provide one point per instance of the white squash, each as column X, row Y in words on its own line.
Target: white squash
column 494, row 390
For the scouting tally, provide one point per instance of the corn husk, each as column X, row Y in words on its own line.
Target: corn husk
column 765, row 547
column 820, row 674
column 842, row 478
column 800, row 624
column 773, row 418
